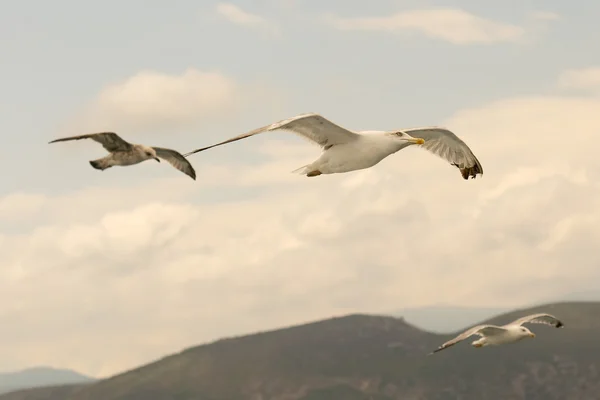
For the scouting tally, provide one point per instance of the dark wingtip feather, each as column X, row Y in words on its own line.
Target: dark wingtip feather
column 471, row 172
column 559, row 324
column 191, row 173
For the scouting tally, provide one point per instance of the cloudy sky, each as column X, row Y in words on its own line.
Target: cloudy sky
column 103, row 271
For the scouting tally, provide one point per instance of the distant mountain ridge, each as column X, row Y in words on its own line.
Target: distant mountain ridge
column 444, row 319
column 447, row 318
column 367, row 357
column 40, row 376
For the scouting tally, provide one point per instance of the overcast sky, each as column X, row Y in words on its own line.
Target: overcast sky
column 104, row 271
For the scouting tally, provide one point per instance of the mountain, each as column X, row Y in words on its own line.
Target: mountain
column 40, row 376
column 587, row 295
column 365, row 357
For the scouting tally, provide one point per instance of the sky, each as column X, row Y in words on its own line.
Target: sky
column 103, row 271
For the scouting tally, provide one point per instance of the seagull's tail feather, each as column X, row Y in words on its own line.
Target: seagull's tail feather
column 100, row 164
column 95, row 164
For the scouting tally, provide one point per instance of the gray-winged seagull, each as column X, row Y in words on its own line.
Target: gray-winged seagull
column 123, row 153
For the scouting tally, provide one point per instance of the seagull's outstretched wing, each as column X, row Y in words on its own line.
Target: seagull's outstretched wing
column 481, row 330
column 311, row 126
column 177, row 160
column 109, row 140
column 541, row 318
column 450, row 147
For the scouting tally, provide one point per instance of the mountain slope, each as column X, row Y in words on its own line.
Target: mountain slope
column 368, row 357
column 40, row 376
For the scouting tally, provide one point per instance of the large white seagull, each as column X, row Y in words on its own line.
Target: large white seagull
column 345, row 150
column 493, row 335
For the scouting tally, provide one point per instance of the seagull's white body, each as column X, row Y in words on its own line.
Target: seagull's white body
column 123, row 153
column 367, row 150
column 492, row 335
column 135, row 155
column 345, row 150
column 508, row 334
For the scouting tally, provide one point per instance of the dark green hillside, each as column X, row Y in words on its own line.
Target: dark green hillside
column 370, row 358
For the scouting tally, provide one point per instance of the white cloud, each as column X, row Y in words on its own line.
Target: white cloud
column 452, row 25
column 138, row 278
column 584, row 78
column 236, row 15
column 151, row 99
column 449, row 24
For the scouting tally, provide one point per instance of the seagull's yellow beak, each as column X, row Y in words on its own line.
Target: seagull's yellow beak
column 418, row 141
column 532, row 334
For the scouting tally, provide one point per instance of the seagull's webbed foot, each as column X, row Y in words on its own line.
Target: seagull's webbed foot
column 314, row 173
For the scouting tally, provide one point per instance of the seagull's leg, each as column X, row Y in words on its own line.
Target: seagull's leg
column 314, row 173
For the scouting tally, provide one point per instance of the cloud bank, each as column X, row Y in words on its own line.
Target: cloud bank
column 152, row 100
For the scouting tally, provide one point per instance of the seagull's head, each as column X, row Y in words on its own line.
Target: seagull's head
column 149, row 152
column 406, row 138
column 526, row 332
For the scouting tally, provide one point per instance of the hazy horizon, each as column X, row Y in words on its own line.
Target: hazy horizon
column 426, row 318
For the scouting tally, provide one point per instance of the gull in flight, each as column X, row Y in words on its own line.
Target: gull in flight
column 123, row 153
column 492, row 335
column 345, row 150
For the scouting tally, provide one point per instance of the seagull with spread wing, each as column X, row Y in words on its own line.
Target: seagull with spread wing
column 345, row 150
column 123, row 153
column 492, row 335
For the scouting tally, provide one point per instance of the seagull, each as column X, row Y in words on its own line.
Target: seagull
column 345, row 150
column 123, row 153
column 492, row 335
